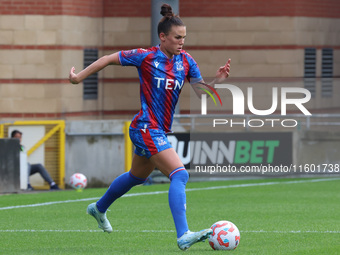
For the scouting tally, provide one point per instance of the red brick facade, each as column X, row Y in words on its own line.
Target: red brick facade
column 263, row 37
column 188, row 8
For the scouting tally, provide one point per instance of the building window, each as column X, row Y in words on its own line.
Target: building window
column 327, row 73
column 310, row 70
column 90, row 83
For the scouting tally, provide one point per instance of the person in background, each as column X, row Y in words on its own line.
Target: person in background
column 35, row 168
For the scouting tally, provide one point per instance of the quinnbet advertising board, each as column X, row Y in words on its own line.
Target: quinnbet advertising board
column 233, row 149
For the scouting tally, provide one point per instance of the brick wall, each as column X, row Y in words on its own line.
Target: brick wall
column 247, row 8
column 90, row 8
column 123, row 8
column 41, row 40
column 188, row 8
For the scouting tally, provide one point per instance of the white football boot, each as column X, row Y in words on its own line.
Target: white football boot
column 189, row 238
column 103, row 222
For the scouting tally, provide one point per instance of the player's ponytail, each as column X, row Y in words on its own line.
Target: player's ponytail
column 166, row 11
column 169, row 19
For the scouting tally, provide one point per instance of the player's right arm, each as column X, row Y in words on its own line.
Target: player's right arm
column 96, row 66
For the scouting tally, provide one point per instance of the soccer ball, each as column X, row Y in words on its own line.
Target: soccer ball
column 78, row 181
column 225, row 236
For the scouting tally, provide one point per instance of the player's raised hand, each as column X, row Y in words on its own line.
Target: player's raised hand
column 223, row 72
column 73, row 76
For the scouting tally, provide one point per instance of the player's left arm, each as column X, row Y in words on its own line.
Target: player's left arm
column 221, row 74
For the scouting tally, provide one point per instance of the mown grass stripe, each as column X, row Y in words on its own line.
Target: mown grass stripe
column 165, row 191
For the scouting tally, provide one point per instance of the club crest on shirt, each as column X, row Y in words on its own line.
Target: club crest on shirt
column 179, row 66
column 160, row 141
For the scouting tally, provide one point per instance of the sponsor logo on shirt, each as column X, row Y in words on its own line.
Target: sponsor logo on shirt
column 130, row 52
column 169, row 83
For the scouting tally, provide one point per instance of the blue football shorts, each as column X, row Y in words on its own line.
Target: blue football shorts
column 148, row 142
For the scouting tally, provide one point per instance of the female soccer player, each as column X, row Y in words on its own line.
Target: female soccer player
column 162, row 71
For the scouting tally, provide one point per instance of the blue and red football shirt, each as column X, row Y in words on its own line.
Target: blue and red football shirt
column 161, row 81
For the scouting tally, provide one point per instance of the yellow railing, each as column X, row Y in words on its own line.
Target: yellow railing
column 128, row 146
column 54, row 140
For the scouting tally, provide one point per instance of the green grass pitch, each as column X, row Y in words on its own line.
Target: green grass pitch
column 276, row 216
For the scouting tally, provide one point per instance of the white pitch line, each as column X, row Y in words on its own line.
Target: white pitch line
column 78, row 230
column 166, row 231
column 293, row 231
column 48, row 203
column 165, row 191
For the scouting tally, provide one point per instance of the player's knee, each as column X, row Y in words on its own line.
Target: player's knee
column 134, row 179
column 40, row 166
column 182, row 175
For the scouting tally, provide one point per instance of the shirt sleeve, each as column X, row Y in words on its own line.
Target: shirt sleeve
column 194, row 73
column 132, row 57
